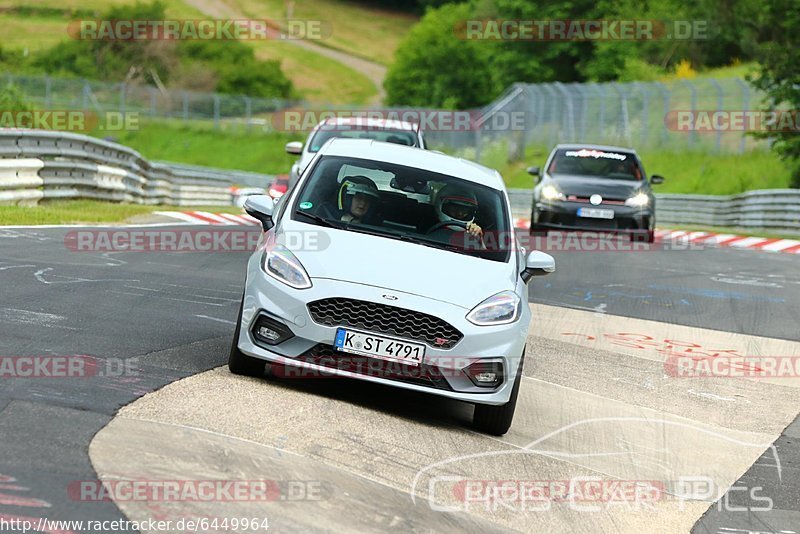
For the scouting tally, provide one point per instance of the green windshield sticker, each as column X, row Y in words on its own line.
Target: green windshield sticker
column 306, row 205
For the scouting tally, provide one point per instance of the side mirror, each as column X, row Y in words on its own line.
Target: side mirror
column 538, row 264
column 656, row 179
column 261, row 207
column 533, row 171
column 295, row 147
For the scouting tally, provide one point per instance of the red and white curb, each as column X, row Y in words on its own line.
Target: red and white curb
column 204, row 217
column 790, row 246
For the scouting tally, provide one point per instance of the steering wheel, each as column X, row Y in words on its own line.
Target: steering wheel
column 446, row 223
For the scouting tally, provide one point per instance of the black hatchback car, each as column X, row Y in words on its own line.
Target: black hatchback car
column 597, row 188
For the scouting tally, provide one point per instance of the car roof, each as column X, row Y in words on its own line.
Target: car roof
column 610, row 148
column 370, row 122
column 428, row 160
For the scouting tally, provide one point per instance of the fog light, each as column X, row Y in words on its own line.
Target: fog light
column 485, row 374
column 484, row 378
column 267, row 331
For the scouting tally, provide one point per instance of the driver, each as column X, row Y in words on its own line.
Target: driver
column 358, row 199
column 458, row 205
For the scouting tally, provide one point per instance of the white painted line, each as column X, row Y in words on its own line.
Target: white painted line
column 215, row 319
column 214, row 217
column 237, row 219
column 182, row 216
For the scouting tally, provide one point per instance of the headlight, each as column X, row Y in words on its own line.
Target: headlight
column 638, row 200
column 502, row 308
column 281, row 264
column 551, row 192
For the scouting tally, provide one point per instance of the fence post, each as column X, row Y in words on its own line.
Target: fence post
column 720, row 94
column 665, row 95
column 745, row 105
column 216, row 111
column 602, row 89
column 85, row 95
column 693, row 133
column 248, row 107
column 552, row 102
column 645, row 112
column 185, row 106
column 47, row 90
column 122, row 96
column 152, row 92
column 569, row 116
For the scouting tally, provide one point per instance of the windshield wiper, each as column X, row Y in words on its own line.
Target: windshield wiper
column 433, row 243
column 322, row 221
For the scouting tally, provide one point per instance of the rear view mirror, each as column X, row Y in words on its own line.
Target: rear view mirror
column 295, row 147
column 538, row 264
column 261, row 207
column 656, row 179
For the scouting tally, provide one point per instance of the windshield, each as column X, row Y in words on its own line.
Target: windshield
column 401, row 137
column 404, row 203
column 594, row 162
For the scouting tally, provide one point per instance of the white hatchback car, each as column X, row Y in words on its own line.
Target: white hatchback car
column 392, row 131
column 395, row 265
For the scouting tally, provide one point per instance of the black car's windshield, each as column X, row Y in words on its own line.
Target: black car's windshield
column 408, row 204
column 594, row 162
column 400, row 137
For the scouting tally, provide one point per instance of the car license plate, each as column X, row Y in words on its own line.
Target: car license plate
column 384, row 348
column 595, row 213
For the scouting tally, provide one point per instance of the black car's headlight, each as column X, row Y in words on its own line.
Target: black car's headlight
column 639, row 200
column 551, row 192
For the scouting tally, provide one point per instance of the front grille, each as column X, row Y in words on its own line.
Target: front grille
column 421, row 375
column 385, row 319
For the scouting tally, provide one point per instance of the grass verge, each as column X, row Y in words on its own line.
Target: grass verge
column 87, row 212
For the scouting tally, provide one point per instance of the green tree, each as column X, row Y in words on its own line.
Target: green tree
column 779, row 78
column 435, row 67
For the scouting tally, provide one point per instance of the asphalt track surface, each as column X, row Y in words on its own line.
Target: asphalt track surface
column 170, row 316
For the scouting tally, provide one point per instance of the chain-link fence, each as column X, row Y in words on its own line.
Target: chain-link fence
column 705, row 114
column 644, row 115
column 51, row 93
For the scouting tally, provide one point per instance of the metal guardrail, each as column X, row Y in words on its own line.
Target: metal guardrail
column 767, row 209
column 39, row 164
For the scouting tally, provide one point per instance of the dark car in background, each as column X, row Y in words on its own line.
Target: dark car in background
column 595, row 188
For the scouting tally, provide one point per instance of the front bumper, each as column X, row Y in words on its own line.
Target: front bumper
column 564, row 216
column 310, row 349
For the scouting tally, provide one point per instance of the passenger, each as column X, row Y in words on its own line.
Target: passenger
column 357, row 201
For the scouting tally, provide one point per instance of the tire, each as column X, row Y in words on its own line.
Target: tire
column 538, row 230
column 496, row 420
column 240, row 363
column 649, row 237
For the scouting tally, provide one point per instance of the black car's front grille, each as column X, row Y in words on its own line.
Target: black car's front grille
column 385, row 319
column 421, row 375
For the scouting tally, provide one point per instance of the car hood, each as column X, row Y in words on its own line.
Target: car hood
column 585, row 186
column 442, row 275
